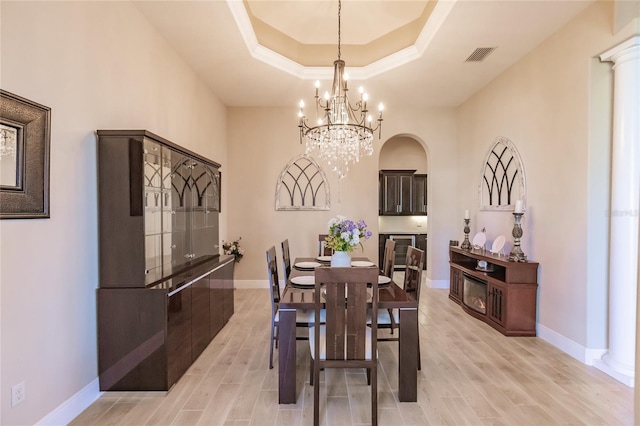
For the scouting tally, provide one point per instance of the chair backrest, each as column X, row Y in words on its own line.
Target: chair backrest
column 413, row 272
column 274, row 283
column 389, row 259
column 346, row 329
column 323, row 250
column 286, row 260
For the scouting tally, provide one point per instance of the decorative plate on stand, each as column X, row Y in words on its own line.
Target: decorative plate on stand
column 498, row 244
column 478, row 240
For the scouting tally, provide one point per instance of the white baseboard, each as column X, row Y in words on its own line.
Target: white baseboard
column 245, row 284
column 593, row 355
column 625, row 377
column 566, row 345
column 72, row 407
column 588, row 356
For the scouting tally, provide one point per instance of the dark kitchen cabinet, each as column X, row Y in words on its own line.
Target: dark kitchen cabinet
column 419, row 206
column 402, row 193
column 396, row 192
column 159, row 303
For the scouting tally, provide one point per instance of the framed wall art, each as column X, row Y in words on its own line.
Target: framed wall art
column 302, row 185
column 25, row 130
column 502, row 179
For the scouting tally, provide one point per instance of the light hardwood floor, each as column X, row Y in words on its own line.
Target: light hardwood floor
column 471, row 374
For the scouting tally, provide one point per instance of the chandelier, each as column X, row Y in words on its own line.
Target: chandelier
column 344, row 132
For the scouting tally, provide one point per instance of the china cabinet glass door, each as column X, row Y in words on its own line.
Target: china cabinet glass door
column 204, row 211
column 179, row 241
column 152, row 208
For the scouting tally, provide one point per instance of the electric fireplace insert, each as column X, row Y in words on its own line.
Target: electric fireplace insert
column 475, row 294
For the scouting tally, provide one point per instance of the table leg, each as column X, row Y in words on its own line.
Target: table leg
column 408, row 356
column 287, row 357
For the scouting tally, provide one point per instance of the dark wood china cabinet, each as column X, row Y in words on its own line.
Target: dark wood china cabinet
column 165, row 291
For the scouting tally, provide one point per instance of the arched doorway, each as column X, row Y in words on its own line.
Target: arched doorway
column 404, row 155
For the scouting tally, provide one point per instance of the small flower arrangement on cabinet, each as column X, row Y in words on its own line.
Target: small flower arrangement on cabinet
column 233, row 248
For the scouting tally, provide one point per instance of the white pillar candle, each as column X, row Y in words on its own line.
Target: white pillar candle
column 466, row 214
column 518, row 208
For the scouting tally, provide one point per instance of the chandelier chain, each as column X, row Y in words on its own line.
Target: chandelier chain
column 339, row 14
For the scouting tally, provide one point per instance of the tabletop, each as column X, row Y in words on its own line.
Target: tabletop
column 294, row 296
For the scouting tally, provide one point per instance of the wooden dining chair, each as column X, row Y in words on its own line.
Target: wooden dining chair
column 323, row 250
column 286, row 260
column 389, row 258
column 385, row 316
column 412, row 284
column 303, row 318
column 345, row 341
column 413, row 272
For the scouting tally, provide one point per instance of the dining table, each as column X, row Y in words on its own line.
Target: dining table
column 390, row 296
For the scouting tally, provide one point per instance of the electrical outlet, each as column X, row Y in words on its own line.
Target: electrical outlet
column 18, row 394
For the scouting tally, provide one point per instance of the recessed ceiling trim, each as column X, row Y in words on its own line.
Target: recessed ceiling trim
column 394, row 60
column 244, row 24
column 437, row 18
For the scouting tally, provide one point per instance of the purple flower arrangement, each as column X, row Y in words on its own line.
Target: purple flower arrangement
column 345, row 234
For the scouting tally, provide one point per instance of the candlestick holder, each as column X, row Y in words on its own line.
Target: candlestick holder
column 466, row 244
column 517, row 254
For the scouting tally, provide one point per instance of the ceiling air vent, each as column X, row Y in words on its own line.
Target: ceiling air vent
column 479, row 54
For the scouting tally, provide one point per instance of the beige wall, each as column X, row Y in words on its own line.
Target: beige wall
column 98, row 66
column 403, row 153
column 543, row 104
column 263, row 140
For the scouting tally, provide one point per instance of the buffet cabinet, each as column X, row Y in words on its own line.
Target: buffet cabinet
column 165, row 291
column 503, row 294
column 149, row 337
